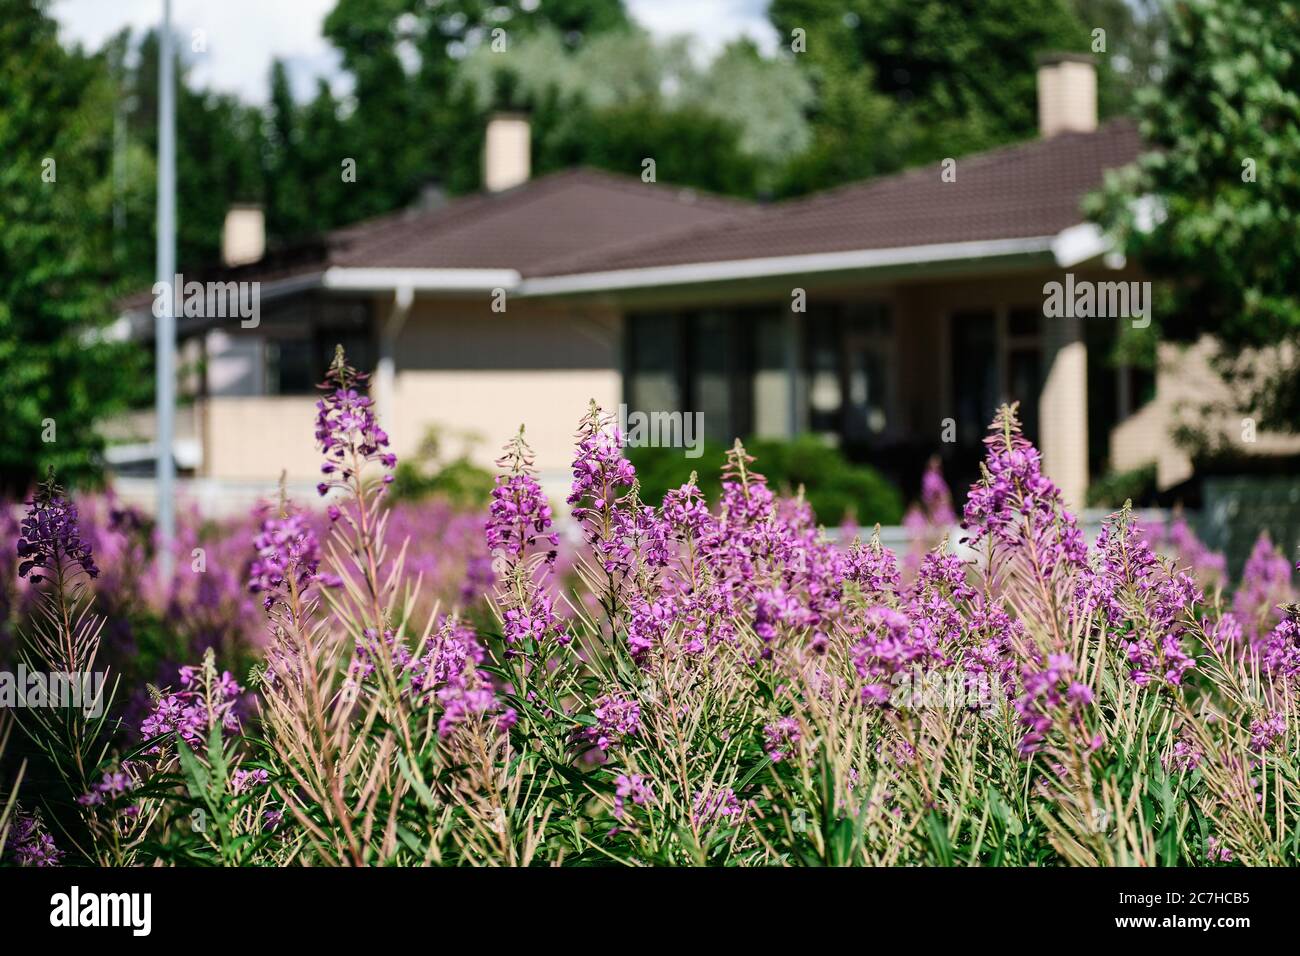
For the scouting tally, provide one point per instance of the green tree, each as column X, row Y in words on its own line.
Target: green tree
column 622, row 96
column 409, row 122
column 1213, row 206
column 58, row 372
column 957, row 75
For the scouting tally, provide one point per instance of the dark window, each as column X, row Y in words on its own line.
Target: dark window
column 975, row 387
column 301, row 337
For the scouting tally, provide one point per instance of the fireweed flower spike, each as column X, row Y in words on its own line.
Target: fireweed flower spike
column 288, row 558
column 519, row 515
column 347, row 431
column 49, row 542
column 1017, row 506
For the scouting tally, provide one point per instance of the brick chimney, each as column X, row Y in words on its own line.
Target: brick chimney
column 243, row 237
column 507, row 151
column 1067, row 93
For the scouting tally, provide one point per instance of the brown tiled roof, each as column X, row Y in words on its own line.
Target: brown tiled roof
column 559, row 215
column 584, row 220
column 1028, row 190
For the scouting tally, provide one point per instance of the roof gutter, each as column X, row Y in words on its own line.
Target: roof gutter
column 827, row 262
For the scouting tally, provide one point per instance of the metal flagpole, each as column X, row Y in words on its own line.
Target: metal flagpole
column 165, row 338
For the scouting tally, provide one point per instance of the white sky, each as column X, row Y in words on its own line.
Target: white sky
column 243, row 36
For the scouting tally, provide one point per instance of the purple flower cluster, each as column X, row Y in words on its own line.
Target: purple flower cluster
column 781, row 738
column 288, row 556
column 602, row 478
column 637, row 788
column 49, row 539
column 1265, row 585
column 193, row 711
column 113, row 784
column 1018, row 506
column 716, row 805
column 30, row 843
column 1148, row 605
column 1052, row 698
column 347, row 432
column 617, row 717
column 519, row 514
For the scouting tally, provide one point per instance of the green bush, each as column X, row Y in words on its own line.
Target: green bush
column 833, row 485
column 1114, row 488
column 430, row 471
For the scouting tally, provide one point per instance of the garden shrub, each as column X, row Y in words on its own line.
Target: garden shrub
column 835, row 487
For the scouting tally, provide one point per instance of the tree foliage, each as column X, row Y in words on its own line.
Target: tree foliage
column 1213, row 205
column 58, row 373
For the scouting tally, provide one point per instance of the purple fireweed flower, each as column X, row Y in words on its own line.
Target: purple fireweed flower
column 192, row 711
column 890, row 643
column 1280, row 651
column 519, row 514
column 287, row 551
column 873, row 568
column 49, row 538
column 242, row 780
column 635, row 787
column 112, row 785
column 533, row 621
column 30, row 844
column 1148, row 603
column 347, row 432
column 1051, row 696
column 1018, row 506
column 686, row 513
column 1216, row 852
column 720, row 805
column 649, row 620
column 1185, row 756
column 1265, row 731
column 601, row 491
column 617, row 717
column 781, row 738
column 1265, row 584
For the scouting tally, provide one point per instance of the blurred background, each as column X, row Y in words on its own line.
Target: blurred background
column 392, row 172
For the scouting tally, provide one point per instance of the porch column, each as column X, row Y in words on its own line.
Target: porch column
column 1063, row 409
column 385, row 371
column 794, row 404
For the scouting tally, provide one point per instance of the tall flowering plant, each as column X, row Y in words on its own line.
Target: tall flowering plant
column 725, row 686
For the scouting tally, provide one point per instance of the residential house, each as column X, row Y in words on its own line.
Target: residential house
column 890, row 316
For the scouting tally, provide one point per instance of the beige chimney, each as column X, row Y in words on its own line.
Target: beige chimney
column 1067, row 93
column 507, row 151
column 243, row 237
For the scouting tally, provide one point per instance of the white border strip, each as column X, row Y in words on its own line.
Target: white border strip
column 702, row 272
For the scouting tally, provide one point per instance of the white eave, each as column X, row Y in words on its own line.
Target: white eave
column 419, row 280
column 829, row 262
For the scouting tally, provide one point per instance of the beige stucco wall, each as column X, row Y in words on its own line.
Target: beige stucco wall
column 255, row 438
column 470, row 370
column 1189, row 393
column 459, row 366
